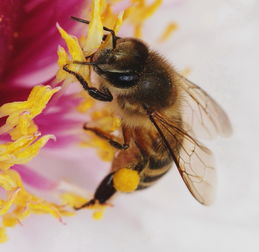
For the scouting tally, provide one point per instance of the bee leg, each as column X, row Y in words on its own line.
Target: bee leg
column 94, row 92
column 107, row 137
column 103, row 193
column 114, row 37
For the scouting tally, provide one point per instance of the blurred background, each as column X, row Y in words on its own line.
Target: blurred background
column 218, row 41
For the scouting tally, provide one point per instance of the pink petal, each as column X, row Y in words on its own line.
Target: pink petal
column 120, row 6
column 34, row 179
column 58, row 118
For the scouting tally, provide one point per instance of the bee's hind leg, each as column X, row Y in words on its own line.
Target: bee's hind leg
column 106, row 189
column 102, row 194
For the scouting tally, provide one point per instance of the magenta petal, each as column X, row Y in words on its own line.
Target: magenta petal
column 34, row 179
column 9, row 16
column 34, row 30
column 58, row 118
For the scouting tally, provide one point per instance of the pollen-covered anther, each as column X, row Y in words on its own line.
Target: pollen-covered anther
column 139, row 12
column 21, row 113
column 3, row 235
column 126, row 180
column 169, row 30
column 75, row 54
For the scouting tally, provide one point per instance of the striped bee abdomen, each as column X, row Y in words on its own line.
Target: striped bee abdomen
column 154, row 169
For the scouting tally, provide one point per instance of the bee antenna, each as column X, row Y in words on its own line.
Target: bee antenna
column 114, row 37
column 80, row 20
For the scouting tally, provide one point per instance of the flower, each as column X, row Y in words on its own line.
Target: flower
column 27, row 46
column 26, row 141
column 33, row 116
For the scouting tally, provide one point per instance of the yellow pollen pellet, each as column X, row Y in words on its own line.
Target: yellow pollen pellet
column 126, row 180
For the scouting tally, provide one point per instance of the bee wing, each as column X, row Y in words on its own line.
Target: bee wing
column 196, row 166
column 194, row 161
column 202, row 115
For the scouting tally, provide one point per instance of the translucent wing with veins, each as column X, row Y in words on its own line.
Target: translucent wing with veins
column 196, row 166
column 202, row 116
column 194, row 161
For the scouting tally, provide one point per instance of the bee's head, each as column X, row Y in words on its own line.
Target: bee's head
column 122, row 66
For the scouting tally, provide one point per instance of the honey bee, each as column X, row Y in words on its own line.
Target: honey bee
column 162, row 115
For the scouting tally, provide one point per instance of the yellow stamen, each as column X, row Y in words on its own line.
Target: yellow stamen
column 86, row 103
column 72, row 199
column 76, row 53
column 139, row 12
column 37, row 101
column 10, row 200
column 116, row 27
column 24, row 127
column 170, row 28
column 10, row 220
column 104, row 150
column 149, row 10
column 3, row 235
column 75, row 200
column 138, row 31
column 106, row 120
column 108, row 17
column 95, row 32
column 25, row 145
column 21, row 151
column 72, row 43
column 97, row 215
column 24, row 156
column 63, row 59
column 10, row 180
column 8, row 149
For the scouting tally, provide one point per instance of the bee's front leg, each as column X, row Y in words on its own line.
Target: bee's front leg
column 103, row 95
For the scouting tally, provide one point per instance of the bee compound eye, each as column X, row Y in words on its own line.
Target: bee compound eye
column 127, row 78
column 121, row 80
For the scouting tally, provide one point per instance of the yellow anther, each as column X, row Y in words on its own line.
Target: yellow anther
column 170, row 28
column 3, row 235
column 72, row 199
column 97, row 215
column 36, row 102
column 95, row 32
column 63, row 59
column 10, row 220
column 25, row 155
column 24, row 127
column 139, row 12
column 73, row 46
column 10, row 200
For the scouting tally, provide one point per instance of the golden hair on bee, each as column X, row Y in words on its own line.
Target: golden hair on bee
column 162, row 115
